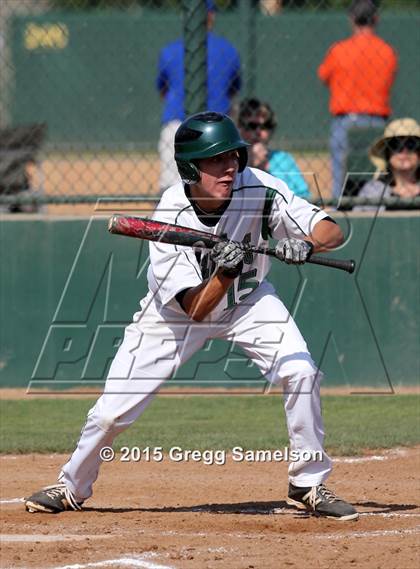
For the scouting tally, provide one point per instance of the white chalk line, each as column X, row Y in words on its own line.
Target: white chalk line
column 76, row 537
column 360, row 459
column 387, row 455
column 283, row 511
column 259, row 536
column 140, row 561
column 12, row 501
column 389, row 515
column 374, row 533
column 33, row 537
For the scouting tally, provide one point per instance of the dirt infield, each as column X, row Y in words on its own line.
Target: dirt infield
column 190, row 515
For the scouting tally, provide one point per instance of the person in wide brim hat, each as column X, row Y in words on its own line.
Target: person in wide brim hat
column 396, row 156
column 396, row 129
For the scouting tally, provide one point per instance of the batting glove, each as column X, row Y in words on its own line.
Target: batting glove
column 228, row 256
column 293, row 251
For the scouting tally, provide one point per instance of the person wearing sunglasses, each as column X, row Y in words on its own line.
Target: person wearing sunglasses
column 257, row 123
column 396, row 156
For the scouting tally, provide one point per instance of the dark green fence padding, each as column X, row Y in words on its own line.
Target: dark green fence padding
column 68, row 288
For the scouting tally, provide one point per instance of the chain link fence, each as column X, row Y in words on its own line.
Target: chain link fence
column 87, row 108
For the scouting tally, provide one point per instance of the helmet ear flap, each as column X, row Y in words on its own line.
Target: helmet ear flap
column 188, row 171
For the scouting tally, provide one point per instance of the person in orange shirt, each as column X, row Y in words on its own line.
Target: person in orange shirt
column 359, row 72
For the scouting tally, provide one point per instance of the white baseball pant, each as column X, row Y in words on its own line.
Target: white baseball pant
column 168, row 169
column 160, row 340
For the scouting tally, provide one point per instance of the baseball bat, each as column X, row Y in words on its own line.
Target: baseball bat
column 143, row 228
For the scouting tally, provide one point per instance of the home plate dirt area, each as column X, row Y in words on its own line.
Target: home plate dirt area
column 195, row 516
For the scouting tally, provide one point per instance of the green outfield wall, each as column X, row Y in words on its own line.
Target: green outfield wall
column 68, row 288
column 91, row 76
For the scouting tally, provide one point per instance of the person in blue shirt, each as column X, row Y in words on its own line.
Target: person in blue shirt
column 223, row 82
column 257, row 123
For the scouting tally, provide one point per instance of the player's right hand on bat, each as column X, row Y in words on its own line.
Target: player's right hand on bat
column 293, row 251
column 229, row 257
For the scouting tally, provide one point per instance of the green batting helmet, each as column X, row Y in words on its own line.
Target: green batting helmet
column 202, row 136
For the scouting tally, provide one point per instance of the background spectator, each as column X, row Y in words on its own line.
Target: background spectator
column 359, row 72
column 257, row 123
column 223, row 82
column 397, row 157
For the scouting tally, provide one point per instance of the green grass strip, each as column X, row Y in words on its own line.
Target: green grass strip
column 352, row 423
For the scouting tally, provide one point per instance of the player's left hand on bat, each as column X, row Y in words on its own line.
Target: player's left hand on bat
column 229, row 257
column 293, row 251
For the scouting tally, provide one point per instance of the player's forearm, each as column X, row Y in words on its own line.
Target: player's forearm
column 326, row 236
column 199, row 301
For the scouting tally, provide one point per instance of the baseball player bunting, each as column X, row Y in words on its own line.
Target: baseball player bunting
column 143, row 228
column 196, row 295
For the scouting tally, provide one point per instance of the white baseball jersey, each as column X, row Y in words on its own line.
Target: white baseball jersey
column 261, row 206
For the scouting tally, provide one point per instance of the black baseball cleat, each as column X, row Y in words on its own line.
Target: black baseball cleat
column 52, row 500
column 322, row 502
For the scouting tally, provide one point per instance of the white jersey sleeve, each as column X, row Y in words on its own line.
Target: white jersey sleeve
column 288, row 215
